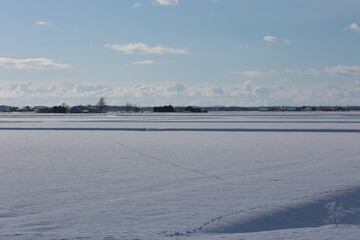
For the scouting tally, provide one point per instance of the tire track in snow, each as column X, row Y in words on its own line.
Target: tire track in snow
column 171, row 163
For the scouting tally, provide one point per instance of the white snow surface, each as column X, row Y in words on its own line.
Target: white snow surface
column 223, row 175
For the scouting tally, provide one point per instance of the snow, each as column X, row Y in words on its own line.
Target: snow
column 178, row 176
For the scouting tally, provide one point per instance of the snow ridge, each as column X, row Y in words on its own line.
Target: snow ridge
column 307, row 130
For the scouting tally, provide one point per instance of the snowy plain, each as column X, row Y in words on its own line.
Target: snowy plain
column 222, row 175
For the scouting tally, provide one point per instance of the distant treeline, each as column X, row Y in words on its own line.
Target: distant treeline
column 64, row 108
column 285, row 108
column 98, row 108
column 170, row 108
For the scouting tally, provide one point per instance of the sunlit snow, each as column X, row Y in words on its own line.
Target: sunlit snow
column 236, row 175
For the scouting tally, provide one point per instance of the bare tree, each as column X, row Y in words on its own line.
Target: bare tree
column 65, row 106
column 129, row 107
column 101, row 104
column 335, row 212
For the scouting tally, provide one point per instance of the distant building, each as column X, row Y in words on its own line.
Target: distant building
column 194, row 109
column 4, row 108
column 164, row 109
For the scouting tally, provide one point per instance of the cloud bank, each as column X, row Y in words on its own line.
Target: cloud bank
column 246, row 93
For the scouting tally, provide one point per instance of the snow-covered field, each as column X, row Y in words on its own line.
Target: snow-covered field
column 243, row 175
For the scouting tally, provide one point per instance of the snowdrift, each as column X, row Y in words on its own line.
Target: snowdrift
column 311, row 213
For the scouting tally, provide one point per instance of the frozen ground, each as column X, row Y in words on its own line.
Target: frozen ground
column 179, row 176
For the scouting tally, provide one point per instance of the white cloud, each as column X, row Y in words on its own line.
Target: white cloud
column 31, row 63
column 287, row 42
column 295, row 70
column 167, row 2
column 260, row 91
column 274, row 39
column 144, row 62
column 340, row 70
column 313, row 71
column 353, row 27
column 169, row 89
column 250, row 73
column 137, row 4
column 270, row 39
column 44, row 23
column 143, row 48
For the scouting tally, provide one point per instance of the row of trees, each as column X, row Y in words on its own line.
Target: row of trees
column 100, row 107
column 129, row 107
column 55, row 109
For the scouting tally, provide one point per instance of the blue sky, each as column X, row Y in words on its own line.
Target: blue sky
column 180, row 52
